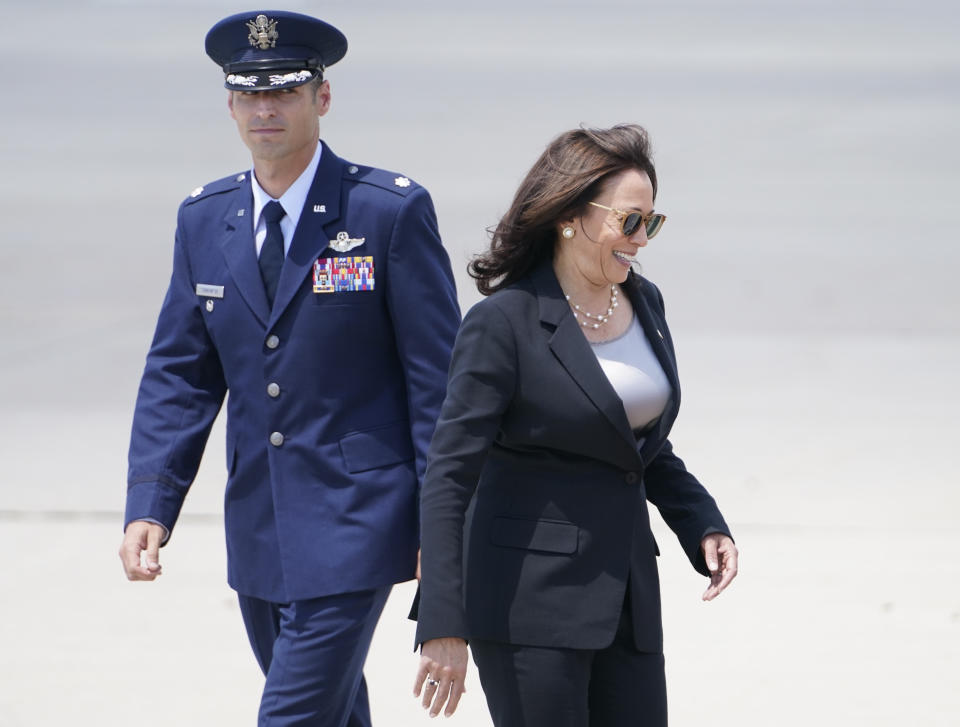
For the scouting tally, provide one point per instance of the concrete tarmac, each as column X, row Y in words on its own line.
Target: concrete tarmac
column 853, row 627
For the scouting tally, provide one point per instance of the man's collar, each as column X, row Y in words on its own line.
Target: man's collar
column 295, row 196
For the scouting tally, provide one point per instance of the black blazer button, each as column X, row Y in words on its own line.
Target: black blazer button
column 631, row 478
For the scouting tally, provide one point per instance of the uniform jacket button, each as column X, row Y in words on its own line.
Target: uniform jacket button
column 276, row 439
column 631, row 478
column 273, row 341
column 273, row 390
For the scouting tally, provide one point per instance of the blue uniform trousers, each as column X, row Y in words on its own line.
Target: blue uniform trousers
column 312, row 653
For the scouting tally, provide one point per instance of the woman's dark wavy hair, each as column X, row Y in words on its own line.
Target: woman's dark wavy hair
column 567, row 175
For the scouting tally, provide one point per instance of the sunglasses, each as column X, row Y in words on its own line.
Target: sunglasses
column 630, row 221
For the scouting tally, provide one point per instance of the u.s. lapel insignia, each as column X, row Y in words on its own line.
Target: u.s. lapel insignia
column 320, row 208
column 345, row 243
column 343, row 274
column 402, row 182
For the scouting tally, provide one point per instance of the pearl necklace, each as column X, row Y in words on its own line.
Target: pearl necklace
column 601, row 318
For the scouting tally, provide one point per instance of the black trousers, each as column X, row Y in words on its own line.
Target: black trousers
column 530, row 686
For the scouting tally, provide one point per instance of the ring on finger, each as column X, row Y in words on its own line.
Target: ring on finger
column 433, row 682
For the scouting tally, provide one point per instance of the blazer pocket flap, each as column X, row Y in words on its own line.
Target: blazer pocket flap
column 375, row 448
column 548, row 535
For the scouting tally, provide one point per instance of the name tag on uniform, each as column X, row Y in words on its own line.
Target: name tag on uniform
column 209, row 291
column 343, row 274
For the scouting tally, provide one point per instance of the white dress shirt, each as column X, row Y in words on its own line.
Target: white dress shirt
column 292, row 200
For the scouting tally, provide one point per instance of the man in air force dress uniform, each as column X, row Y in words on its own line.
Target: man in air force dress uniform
column 317, row 293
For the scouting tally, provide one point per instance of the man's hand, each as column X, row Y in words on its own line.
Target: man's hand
column 138, row 537
column 443, row 665
column 721, row 556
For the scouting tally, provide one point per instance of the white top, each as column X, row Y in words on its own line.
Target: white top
column 292, row 200
column 635, row 373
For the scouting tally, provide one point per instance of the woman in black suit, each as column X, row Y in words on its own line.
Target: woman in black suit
column 536, row 541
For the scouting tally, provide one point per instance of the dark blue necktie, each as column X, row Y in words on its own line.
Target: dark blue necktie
column 271, row 253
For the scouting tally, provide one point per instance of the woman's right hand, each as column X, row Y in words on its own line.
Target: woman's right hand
column 443, row 666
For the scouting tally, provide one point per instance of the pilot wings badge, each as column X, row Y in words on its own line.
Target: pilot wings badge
column 344, row 242
column 263, row 32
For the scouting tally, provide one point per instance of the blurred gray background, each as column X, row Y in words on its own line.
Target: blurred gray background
column 809, row 164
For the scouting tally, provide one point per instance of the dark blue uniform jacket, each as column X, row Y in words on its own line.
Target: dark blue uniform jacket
column 333, row 396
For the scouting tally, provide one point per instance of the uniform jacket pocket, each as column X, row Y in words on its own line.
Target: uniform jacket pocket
column 550, row 536
column 375, row 448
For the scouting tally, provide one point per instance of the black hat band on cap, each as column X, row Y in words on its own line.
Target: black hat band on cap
column 261, row 64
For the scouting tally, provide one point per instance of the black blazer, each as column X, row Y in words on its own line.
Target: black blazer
column 535, row 441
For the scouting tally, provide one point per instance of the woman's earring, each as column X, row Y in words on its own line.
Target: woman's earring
column 569, row 232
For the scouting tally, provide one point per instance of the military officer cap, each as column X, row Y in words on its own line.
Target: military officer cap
column 272, row 49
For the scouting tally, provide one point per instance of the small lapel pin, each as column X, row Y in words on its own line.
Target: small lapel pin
column 344, row 242
column 240, row 213
column 659, row 334
column 209, row 306
column 320, row 208
column 241, row 177
column 402, row 182
column 197, row 192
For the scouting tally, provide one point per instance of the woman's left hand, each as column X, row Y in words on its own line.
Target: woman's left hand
column 721, row 556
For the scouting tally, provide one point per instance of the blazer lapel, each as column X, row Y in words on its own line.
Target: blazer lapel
column 573, row 351
column 310, row 239
column 240, row 252
column 653, row 329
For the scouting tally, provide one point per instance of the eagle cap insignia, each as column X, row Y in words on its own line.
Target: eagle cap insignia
column 263, row 32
